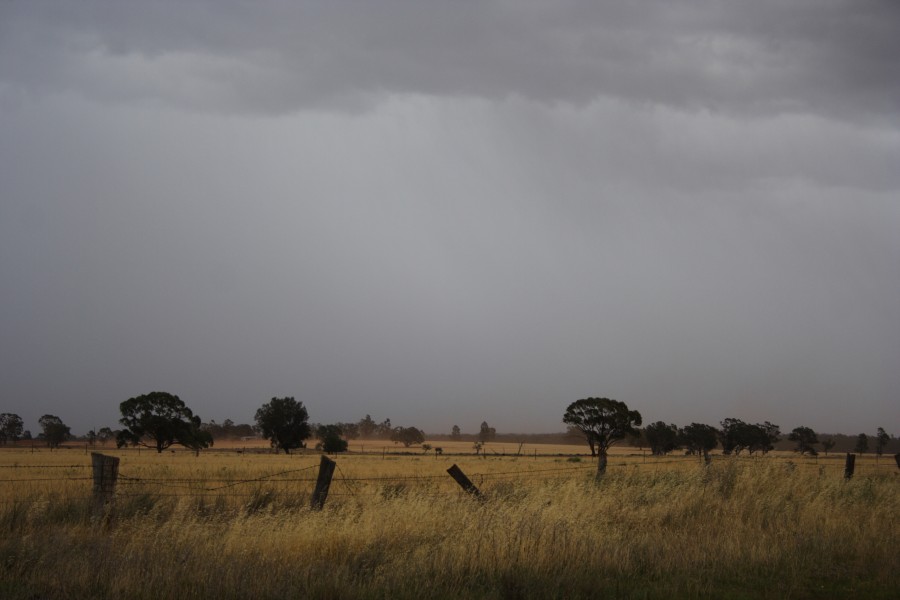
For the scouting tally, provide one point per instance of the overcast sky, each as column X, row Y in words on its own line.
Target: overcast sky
column 449, row 212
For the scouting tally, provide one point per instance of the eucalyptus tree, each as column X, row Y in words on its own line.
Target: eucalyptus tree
column 55, row 431
column 159, row 420
column 284, row 422
column 662, row 438
column 603, row 421
column 805, row 438
column 11, row 427
column 699, row 438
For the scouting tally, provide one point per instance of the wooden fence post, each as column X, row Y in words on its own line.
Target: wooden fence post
column 897, row 458
column 323, row 482
column 106, row 472
column 460, row 477
column 849, row 466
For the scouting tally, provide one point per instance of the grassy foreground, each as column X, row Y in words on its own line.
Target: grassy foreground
column 738, row 529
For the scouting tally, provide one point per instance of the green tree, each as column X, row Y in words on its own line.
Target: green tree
column 769, row 433
column 862, row 444
column 11, row 427
column 827, row 444
column 733, row 435
column 55, row 431
column 603, row 421
column 407, row 436
column 455, row 433
column 330, row 436
column 881, row 440
column 737, row 436
column 159, row 420
column 805, row 438
column 284, row 422
column 699, row 438
column 661, row 438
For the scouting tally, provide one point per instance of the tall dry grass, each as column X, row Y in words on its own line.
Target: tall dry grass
column 737, row 529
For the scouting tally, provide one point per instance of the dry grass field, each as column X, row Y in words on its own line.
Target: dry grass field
column 236, row 523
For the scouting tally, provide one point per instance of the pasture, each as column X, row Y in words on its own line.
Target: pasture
column 236, row 523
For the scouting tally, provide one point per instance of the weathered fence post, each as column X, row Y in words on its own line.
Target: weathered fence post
column 897, row 458
column 323, row 482
column 849, row 466
column 460, row 477
column 106, row 472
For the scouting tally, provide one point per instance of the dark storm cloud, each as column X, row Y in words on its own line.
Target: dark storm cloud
column 449, row 212
column 829, row 57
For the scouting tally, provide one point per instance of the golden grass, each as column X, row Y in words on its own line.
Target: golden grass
column 772, row 527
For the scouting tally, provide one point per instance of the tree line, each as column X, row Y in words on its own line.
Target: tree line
column 604, row 421
column 159, row 420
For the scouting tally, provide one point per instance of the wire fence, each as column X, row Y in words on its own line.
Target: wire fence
column 17, row 486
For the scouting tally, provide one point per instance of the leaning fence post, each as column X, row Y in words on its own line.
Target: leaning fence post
column 849, row 466
column 323, row 482
column 897, row 458
column 106, row 472
column 460, row 477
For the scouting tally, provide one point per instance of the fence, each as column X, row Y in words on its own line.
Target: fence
column 100, row 483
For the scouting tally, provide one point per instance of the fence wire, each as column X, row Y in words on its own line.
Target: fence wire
column 288, row 481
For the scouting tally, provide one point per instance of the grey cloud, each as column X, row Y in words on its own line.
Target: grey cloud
column 451, row 212
column 435, row 262
column 827, row 57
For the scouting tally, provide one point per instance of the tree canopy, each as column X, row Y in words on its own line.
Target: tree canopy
column 486, row 433
column 805, row 437
column 699, row 438
column 408, row 436
column 603, row 422
column 228, row 429
column 105, row 434
column 662, row 438
column 737, row 436
column 330, row 437
column 11, row 427
column 55, row 431
column 159, row 420
column 284, row 422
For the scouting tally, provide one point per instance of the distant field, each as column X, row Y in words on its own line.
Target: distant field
column 460, row 447
column 236, row 524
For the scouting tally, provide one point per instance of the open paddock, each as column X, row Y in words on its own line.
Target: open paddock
column 231, row 524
